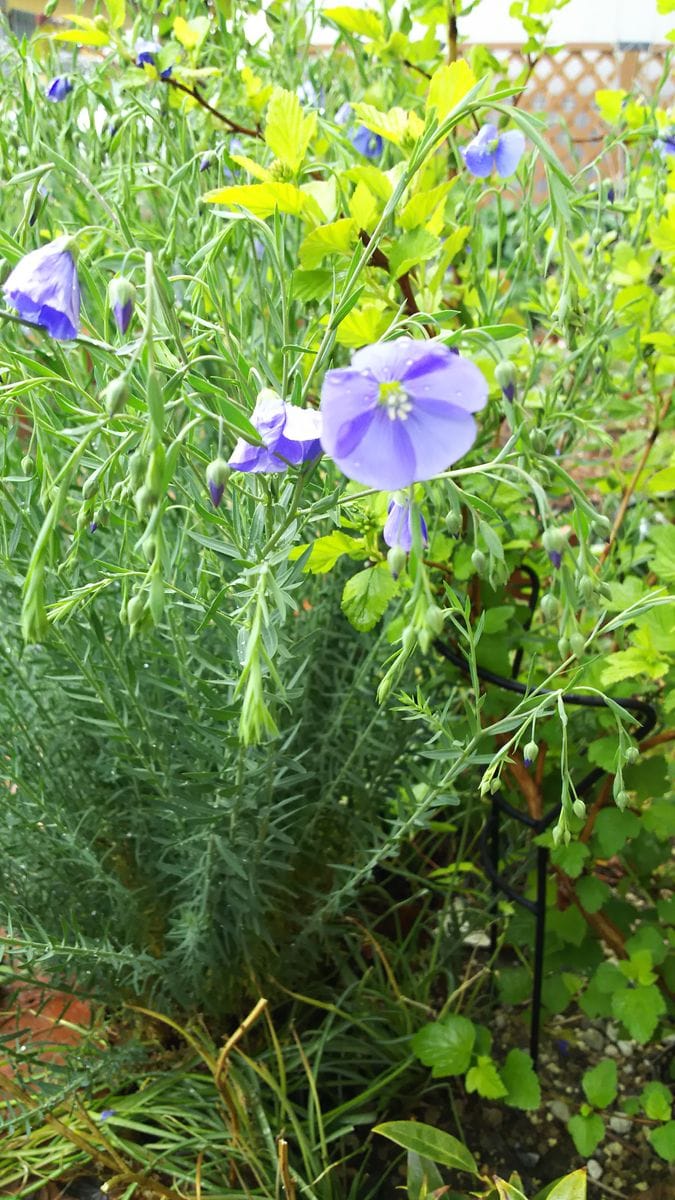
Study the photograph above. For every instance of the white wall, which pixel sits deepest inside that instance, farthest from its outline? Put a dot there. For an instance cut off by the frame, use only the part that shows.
(580, 21)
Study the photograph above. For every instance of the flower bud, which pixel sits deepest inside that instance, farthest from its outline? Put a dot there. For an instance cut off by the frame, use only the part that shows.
(530, 753)
(632, 754)
(538, 440)
(563, 647)
(435, 619)
(550, 606)
(145, 500)
(83, 518)
(136, 610)
(554, 542)
(154, 477)
(495, 785)
(586, 588)
(579, 809)
(578, 644)
(156, 603)
(205, 162)
(505, 374)
(621, 799)
(90, 486)
(115, 395)
(396, 559)
(27, 465)
(408, 639)
(479, 561)
(137, 468)
(424, 639)
(149, 547)
(121, 298)
(453, 521)
(217, 474)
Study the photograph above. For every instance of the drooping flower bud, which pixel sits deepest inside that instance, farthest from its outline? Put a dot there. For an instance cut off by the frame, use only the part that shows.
(563, 647)
(632, 754)
(453, 521)
(121, 298)
(115, 395)
(550, 606)
(586, 588)
(579, 809)
(205, 162)
(578, 644)
(435, 619)
(396, 560)
(554, 542)
(530, 753)
(505, 374)
(145, 500)
(217, 475)
(479, 562)
(137, 469)
(136, 610)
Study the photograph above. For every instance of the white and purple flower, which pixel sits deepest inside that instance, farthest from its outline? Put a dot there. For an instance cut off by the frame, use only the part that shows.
(491, 149)
(59, 88)
(44, 289)
(290, 435)
(398, 529)
(401, 413)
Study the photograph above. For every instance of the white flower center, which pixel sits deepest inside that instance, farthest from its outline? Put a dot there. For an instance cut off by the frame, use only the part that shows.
(395, 400)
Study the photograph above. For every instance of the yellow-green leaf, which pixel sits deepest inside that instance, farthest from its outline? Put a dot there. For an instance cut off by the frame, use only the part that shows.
(610, 102)
(410, 249)
(324, 191)
(252, 167)
(83, 37)
(192, 33)
(377, 181)
(363, 325)
(337, 238)
(662, 481)
(421, 206)
(327, 550)
(391, 125)
(288, 130)
(356, 20)
(450, 83)
(261, 199)
(363, 206)
(116, 12)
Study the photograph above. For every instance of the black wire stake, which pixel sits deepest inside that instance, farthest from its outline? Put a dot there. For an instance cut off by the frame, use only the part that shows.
(489, 840)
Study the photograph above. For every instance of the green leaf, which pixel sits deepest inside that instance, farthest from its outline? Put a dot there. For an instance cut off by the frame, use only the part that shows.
(431, 1143)
(446, 1045)
(656, 1101)
(410, 249)
(116, 12)
(340, 237)
(520, 1080)
(592, 893)
(327, 550)
(586, 1132)
(423, 1177)
(640, 1009)
(366, 596)
(663, 538)
(449, 85)
(484, 1079)
(262, 199)
(361, 21)
(288, 131)
(391, 125)
(663, 1141)
(570, 1187)
(603, 753)
(570, 859)
(600, 1083)
(83, 37)
(613, 828)
(311, 285)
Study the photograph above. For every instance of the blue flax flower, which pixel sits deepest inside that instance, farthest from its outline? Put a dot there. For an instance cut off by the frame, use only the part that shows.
(367, 143)
(666, 143)
(398, 530)
(291, 436)
(146, 52)
(490, 149)
(44, 288)
(59, 88)
(401, 412)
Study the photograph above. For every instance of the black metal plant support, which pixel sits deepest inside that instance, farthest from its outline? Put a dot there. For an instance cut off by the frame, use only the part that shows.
(490, 847)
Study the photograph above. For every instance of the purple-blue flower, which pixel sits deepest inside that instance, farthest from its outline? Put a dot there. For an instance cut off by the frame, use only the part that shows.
(59, 88)
(490, 149)
(398, 530)
(344, 114)
(146, 52)
(666, 143)
(44, 288)
(367, 143)
(121, 297)
(401, 412)
(106, 1113)
(205, 162)
(290, 435)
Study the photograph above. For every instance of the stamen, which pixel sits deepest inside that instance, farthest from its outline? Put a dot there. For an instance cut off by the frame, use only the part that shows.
(395, 400)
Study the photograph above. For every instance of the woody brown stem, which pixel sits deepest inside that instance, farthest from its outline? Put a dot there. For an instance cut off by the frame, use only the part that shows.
(378, 259)
(626, 498)
(195, 95)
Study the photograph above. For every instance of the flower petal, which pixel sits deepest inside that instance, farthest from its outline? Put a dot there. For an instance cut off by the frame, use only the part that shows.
(383, 458)
(447, 380)
(389, 361)
(439, 440)
(509, 152)
(479, 155)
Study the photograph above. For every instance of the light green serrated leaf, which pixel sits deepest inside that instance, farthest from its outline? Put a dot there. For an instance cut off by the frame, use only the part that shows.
(410, 249)
(586, 1132)
(640, 1009)
(83, 37)
(339, 237)
(391, 125)
(655, 1098)
(445, 1046)
(361, 21)
(262, 199)
(450, 83)
(327, 550)
(520, 1080)
(600, 1083)
(663, 1141)
(288, 131)
(366, 596)
(484, 1079)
